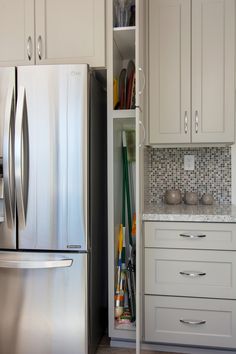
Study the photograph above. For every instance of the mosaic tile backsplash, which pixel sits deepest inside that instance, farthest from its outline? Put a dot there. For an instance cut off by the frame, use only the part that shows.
(164, 169)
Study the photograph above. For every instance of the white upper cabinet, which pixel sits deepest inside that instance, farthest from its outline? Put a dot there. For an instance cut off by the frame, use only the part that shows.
(52, 32)
(16, 32)
(169, 71)
(70, 31)
(191, 71)
(213, 56)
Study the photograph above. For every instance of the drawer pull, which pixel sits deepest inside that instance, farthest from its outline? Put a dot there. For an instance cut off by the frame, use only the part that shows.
(192, 322)
(192, 274)
(192, 236)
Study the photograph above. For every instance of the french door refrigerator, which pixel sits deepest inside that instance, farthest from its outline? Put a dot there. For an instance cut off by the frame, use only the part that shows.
(53, 210)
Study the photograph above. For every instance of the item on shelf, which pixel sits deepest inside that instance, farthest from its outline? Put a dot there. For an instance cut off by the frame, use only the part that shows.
(122, 12)
(173, 196)
(122, 89)
(132, 104)
(207, 199)
(191, 198)
(130, 84)
(115, 93)
(126, 92)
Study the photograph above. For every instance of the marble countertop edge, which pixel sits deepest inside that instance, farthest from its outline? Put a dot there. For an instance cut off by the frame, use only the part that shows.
(198, 213)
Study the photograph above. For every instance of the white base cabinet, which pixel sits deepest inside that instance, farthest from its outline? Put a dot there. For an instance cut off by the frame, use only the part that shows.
(190, 284)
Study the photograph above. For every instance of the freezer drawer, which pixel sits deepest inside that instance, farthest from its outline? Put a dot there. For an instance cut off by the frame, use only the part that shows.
(43, 303)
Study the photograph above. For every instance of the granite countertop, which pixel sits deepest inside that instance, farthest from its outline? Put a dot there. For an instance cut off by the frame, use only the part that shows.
(190, 213)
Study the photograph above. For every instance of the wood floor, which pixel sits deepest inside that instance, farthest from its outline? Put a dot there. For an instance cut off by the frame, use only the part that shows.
(105, 348)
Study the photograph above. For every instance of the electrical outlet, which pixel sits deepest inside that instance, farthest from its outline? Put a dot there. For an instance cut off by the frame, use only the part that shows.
(189, 162)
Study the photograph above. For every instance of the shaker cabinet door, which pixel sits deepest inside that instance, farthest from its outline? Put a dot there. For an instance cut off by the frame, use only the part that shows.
(169, 71)
(16, 32)
(70, 31)
(213, 55)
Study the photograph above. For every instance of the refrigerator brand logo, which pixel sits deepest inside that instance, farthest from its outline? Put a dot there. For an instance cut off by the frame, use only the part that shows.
(75, 73)
(73, 246)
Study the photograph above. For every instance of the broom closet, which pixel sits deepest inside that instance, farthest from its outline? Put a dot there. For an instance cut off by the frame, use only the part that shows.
(126, 137)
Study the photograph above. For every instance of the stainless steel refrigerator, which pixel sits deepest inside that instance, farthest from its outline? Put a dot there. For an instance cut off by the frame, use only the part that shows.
(52, 210)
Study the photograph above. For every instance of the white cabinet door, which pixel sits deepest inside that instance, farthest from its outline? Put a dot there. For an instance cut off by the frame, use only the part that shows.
(70, 31)
(213, 54)
(16, 32)
(169, 71)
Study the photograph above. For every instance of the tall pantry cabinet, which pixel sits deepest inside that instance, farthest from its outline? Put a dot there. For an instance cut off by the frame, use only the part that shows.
(52, 32)
(123, 45)
(186, 48)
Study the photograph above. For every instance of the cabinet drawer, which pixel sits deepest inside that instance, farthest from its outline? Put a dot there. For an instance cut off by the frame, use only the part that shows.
(190, 235)
(190, 273)
(212, 322)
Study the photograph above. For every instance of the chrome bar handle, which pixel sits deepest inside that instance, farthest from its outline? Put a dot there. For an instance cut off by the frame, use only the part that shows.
(192, 322)
(196, 122)
(21, 157)
(192, 236)
(8, 158)
(144, 133)
(29, 48)
(144, 81)
(39, 46)
(186, 122)
(38, 264)
(192, 273)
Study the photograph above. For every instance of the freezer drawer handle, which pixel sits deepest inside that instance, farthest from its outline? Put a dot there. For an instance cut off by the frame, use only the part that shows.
(192, 322)
(39, 264)
(192, 236)
(192, 274)
(8, 158)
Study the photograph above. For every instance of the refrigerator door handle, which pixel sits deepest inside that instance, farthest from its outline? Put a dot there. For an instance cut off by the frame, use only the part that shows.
(38, 264)
(8, 158)
(21, 157)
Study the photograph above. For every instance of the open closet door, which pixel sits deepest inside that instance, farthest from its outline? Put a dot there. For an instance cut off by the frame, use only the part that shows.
(140, 141)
